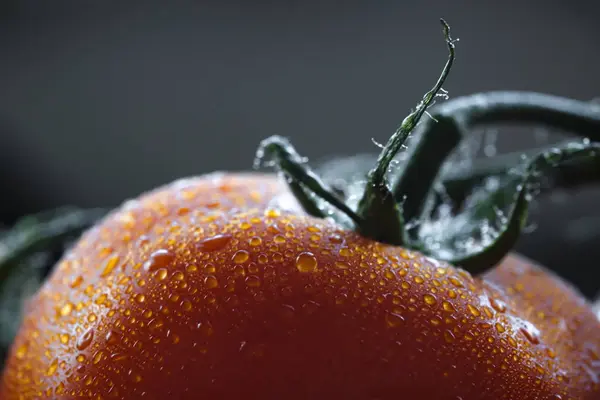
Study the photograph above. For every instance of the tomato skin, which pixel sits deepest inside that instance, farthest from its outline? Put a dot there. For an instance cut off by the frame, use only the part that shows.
(200, 289)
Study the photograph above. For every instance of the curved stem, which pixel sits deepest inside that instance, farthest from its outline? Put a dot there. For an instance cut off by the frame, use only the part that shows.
(459, 183)
(37, 234)
(378, 208)
(301, 178)
(459, 115)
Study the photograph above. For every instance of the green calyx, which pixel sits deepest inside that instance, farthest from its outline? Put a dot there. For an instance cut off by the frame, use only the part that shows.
(468, 218)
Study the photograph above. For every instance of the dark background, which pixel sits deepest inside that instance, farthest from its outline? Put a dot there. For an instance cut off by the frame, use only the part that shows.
(102, 100)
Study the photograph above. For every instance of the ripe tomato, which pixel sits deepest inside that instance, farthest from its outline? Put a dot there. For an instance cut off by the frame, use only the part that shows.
(201, 289)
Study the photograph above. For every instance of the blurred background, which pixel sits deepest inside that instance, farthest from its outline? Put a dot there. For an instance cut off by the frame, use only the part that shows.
(100, 101)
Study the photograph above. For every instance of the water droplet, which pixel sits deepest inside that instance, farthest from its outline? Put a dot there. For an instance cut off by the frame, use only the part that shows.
(214, 243)
(178, 276)
(161, 274)
(341, 265)
(272, 213)
(500, 328)
(98, 356)
(78, 280)
(418, 279)
(255, 241)
(155, 324)
(92, 317)
(159, 259)
(498, 305)
(448, 307)
(241, 256)
(140, 298)
(473, 310)
(64, 338)
(110, 265)
(113, 337)
(253, 281)
(531, 335)
(211, 282)
(80, 358)
(345, 252)
(429, 299)
(116, 357)
(85, 339)
(456, 282)
(550, 353)
(393, 319)
(52, 368)
(191, 268)
(306, 262)
(449, 336)
(101, 299)
(279, 239)
(66, 309)
(186, 305)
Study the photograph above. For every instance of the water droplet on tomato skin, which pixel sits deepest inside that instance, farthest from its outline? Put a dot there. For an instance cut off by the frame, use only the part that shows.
(241, 256)
(85, 339)
(214, 243)
(159, 259)
(306, 262)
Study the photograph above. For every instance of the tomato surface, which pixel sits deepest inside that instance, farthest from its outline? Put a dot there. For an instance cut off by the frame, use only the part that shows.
(204, 288)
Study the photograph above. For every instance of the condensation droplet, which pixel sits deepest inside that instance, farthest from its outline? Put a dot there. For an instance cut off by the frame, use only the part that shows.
(64, 338)
(52, 368)
(98, 356)
(85, 339)
(211, 282)
(448, 307)
(140, 298)
(393, 319)
(214, 243)
(500, 328)
(449, 336)
(473, 310)
(498, 305)
(306, 262)
(253, 281)
(419, 279)
(110, 265)
(159, 259)
(161, 274)
(241, 256)
(429, 299)
(255, 241)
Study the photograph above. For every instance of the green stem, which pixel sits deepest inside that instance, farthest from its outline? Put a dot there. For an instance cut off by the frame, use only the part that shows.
(301, 178)
(459, 183)
(382, 218)
(40, 233)
(456, 117)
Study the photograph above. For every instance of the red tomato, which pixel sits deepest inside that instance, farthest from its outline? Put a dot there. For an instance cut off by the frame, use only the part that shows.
(200, 289)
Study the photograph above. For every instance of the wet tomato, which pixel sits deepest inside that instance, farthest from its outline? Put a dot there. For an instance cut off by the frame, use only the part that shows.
(204, 288)
(229, 286)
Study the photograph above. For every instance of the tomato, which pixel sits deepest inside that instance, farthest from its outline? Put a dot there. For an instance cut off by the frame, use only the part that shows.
(203, 289)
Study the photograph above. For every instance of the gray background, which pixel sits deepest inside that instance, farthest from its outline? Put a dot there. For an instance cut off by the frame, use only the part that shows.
(102, 100)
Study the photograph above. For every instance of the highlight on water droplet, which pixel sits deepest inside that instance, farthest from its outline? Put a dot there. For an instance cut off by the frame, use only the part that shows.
(211, 282)
(110, 265)
(253, 281)
(447, 306)
(429, 299)
(449, 336)
(85, 339)
(473, 310)
(393, 319)
(306, 262)
(214, 243)
(159, 259)
(241, 256)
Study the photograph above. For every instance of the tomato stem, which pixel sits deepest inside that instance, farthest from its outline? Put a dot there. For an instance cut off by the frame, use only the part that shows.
(382, 218)
(436, 138)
